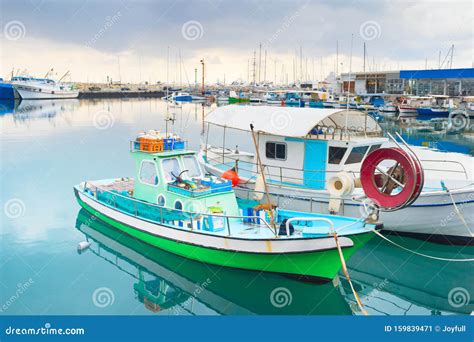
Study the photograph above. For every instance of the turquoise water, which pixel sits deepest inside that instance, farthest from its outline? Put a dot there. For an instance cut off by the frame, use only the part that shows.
(49, 146)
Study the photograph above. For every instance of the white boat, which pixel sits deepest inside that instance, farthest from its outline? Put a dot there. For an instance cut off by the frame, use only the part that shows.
(302, 158)
(388, 108)
(43, 88)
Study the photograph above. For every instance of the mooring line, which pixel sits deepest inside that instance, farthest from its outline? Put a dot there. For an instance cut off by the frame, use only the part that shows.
(346, 273)
(421, 254)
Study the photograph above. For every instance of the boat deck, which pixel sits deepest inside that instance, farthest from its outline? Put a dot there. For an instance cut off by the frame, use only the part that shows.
(253, 224)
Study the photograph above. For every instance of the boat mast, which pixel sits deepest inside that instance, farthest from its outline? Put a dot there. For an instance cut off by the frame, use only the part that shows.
(349, 86)
(260, 64)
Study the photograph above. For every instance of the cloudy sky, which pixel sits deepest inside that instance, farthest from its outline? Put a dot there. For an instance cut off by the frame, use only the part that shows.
(132, 40)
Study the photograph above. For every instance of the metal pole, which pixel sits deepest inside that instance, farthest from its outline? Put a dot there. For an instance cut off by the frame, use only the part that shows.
(202, 62)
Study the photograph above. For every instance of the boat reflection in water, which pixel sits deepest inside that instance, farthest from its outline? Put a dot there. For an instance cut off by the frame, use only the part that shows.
(391, 281)
(173, 285)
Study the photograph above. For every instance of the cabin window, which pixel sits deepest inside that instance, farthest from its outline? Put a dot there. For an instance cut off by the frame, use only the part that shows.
(275, 150)
(357, 154)
(178, 205)
(373, 148)
(171, 169)
(336, 154)
(192, 165)
(148, 174)
(161, 201)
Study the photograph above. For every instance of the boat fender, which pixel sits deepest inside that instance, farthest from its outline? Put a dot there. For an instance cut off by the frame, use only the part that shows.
(341, 184)
(232, 176)
(83, 245)
(282, 230)
(259, 188)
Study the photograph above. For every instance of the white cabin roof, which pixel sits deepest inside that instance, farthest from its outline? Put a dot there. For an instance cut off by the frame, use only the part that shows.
(290, 121)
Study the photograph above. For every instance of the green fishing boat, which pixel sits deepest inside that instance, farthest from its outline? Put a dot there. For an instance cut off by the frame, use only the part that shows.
(173, 205)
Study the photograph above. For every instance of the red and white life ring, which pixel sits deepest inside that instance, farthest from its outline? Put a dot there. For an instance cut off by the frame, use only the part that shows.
(379, 185)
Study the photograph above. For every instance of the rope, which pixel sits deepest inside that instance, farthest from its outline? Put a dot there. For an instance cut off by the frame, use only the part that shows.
(346, 273)
(456, 209)
(421, 254)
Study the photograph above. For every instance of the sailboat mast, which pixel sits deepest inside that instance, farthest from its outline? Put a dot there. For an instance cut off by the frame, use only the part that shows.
(260, 64)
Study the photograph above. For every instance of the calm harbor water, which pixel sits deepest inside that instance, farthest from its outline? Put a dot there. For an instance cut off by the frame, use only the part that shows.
(49, 146)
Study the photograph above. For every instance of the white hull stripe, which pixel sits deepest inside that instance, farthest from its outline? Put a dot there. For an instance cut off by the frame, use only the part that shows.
(261, 246)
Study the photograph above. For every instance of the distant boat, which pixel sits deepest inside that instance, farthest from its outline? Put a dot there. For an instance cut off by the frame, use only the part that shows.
(407, 110)
(234, 98)
(388, 108)
(7, 91)
(43, 88)
(181, 97)
(433, 111)
(198, 98)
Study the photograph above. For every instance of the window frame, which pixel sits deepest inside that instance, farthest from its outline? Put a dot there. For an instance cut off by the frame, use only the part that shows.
(156, 173)
(363, 155)
(343, 155)
(276, 143)
(158, 200)
(193, 157)
(178, 201)
(164, 171)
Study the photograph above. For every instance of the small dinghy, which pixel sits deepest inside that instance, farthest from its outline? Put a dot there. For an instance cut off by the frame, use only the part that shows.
(173, 205)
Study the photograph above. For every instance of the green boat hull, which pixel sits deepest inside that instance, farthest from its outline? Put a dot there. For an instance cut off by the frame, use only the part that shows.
(238, 100)
(317, 265)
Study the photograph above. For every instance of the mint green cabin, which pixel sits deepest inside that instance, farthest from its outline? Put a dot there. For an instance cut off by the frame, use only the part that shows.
(155, 182)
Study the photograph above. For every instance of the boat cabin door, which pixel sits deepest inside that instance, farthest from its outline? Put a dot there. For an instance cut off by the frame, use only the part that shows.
(315, 160)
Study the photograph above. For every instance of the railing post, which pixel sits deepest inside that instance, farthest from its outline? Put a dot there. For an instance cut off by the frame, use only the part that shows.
(228, 225)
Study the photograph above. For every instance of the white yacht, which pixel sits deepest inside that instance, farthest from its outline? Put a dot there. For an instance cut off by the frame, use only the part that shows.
(31, 88)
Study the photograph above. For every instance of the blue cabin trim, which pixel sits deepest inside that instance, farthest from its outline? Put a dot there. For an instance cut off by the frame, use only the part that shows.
(315, 159)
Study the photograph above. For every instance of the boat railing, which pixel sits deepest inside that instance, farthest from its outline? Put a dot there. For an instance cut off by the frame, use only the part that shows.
(283, 174)
(167, 215)
(320, 219)
(455, 162)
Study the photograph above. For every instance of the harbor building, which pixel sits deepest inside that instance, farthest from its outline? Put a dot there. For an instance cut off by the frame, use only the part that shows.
(451, 82)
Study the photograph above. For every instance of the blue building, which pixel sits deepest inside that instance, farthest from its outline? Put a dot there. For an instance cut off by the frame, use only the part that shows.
(452, 82)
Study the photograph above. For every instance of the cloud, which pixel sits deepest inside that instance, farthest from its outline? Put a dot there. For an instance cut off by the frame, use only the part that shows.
(409, 32)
